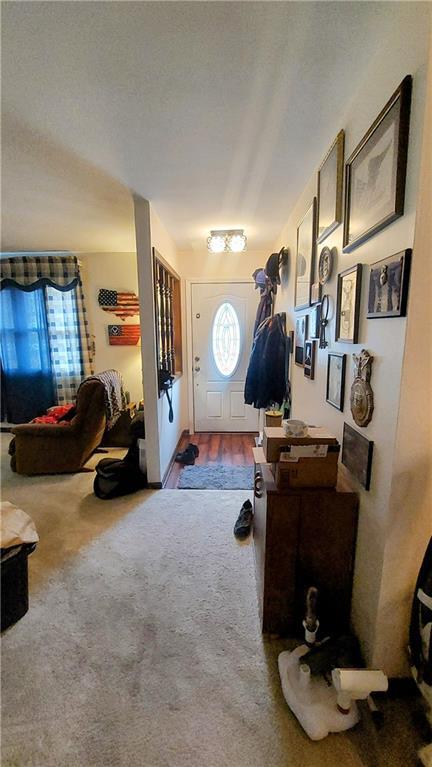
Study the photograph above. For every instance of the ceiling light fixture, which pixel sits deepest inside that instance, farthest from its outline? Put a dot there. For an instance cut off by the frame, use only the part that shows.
(227, 241)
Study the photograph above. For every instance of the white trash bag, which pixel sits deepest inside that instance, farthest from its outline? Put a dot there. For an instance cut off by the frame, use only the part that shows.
(16, 527)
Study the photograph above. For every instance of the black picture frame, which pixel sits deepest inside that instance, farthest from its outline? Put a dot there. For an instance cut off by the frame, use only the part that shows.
(335, 387)
(357, 452)
(348, 305)
(329, 189)
(301, 332)
(375, 172)
(388, 286)
(305, 260)
(309, 359)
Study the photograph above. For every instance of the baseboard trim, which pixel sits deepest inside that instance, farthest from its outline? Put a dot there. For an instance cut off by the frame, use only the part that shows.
(155, 485)
(167, 472)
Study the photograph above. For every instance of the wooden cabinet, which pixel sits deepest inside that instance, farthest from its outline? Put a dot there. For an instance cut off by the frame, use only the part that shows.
(302, 538)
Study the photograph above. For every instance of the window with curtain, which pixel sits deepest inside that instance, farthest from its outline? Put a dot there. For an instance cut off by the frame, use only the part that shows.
(64, 341)
(25, 355)
(45, 342)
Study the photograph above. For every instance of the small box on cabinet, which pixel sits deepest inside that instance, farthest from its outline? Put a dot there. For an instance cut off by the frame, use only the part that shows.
(304, 471)
(274, 438)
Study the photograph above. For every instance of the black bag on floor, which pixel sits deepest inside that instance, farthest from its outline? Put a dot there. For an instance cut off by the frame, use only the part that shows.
(14, 583)
(115, 477)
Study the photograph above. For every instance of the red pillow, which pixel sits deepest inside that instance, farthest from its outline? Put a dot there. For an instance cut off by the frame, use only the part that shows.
(55, 415)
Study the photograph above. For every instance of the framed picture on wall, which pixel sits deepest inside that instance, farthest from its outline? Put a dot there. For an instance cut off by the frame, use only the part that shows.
(335, 392)
(315, 293)
(388, 286)
(375, 173)
(348, 305)
(309, 359)
(329, 189)
(301, 330)
(357, 455)
(305, 258)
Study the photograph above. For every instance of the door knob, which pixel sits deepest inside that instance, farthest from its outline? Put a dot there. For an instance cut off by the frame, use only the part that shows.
(197, 369)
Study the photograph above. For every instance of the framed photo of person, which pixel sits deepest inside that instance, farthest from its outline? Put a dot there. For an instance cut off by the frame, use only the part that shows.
(329, 191)
(388, 286)
(305, 258)
(335, 392)
(309, 359)
(348, 305)
(301, 331)
(375, 172)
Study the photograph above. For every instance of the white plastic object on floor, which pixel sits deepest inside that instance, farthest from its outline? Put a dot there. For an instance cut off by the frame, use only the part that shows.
(310, 636)
(357, 684)
(142, 455)
(313, 702)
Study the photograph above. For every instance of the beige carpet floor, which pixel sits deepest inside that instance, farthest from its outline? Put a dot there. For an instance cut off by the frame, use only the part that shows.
(142, 647)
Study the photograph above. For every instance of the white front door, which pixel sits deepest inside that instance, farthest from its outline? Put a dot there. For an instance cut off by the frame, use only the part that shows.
(223, 316)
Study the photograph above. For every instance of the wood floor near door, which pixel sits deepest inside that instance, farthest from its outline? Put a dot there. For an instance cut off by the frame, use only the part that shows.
(225, 448)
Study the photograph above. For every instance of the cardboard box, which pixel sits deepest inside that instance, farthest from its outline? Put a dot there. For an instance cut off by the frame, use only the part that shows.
(274, 438)
(309, 472)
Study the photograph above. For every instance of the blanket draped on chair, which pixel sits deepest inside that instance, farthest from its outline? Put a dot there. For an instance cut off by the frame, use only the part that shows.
(115, 398)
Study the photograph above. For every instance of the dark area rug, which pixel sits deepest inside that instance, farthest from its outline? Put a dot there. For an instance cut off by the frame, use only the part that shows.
(216, 477)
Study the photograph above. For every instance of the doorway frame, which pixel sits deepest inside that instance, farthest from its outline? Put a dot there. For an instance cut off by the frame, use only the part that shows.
(188, 311)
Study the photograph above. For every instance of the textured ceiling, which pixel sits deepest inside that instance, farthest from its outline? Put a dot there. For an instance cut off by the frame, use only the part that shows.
(216, 112)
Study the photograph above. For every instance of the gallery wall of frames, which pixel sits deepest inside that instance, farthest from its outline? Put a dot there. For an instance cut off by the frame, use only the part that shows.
(347, 298)
(362, 193)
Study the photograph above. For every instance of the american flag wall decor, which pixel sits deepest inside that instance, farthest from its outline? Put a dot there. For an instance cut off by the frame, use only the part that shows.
(121, 304)
(124, 335)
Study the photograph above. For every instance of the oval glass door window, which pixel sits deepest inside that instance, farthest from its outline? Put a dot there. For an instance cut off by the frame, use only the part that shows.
(226, 339)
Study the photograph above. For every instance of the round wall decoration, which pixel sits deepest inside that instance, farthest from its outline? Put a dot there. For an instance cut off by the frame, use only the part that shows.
(361, 399)
(325, 265)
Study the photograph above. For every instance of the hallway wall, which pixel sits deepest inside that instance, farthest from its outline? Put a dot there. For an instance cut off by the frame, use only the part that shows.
(403, 52)
(161, 435)
(409, 524)
(115, 271)
(170, 433)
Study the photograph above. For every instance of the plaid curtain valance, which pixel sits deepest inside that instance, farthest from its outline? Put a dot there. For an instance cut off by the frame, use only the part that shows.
(32, 272)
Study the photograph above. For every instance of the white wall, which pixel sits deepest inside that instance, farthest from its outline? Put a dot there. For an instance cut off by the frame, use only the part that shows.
(403, 52)
(115, 271)
(170, 433)
(409, 522)
(161, 436)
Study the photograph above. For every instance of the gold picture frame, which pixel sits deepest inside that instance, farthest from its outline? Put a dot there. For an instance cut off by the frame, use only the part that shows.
(330, 188)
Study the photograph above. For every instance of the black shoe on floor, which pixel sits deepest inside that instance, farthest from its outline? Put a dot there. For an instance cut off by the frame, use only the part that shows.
(187, 456)
(243, 526)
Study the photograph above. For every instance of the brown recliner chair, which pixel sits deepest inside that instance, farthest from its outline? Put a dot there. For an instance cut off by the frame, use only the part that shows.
(53, 449)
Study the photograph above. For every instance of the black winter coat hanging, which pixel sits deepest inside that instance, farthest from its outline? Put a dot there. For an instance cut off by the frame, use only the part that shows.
(266, 376)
